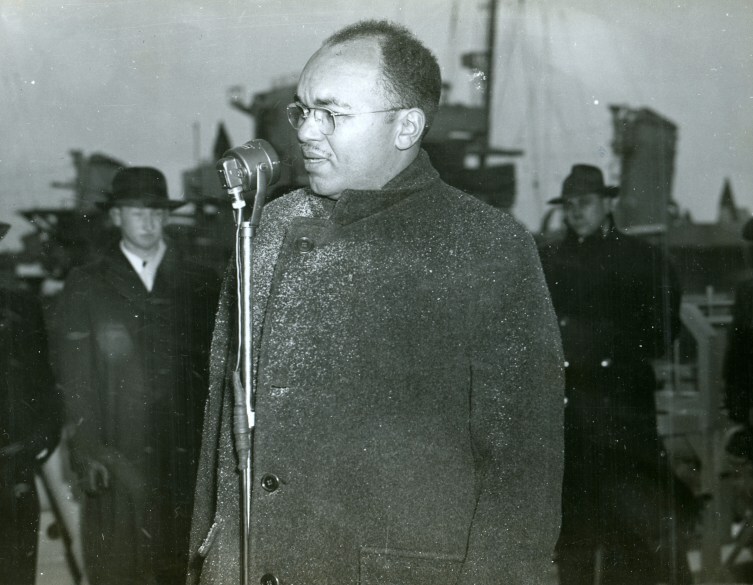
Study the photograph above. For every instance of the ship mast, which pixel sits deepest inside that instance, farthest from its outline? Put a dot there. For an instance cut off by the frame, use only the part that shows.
(484, 61)
(491, 37)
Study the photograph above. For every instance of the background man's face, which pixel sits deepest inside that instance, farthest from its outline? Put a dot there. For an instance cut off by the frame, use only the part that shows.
(586, 213)
(361, 153)
(141, 227)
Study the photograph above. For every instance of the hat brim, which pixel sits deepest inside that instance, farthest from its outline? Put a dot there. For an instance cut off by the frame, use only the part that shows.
(4, 227)
(609, 192)
(168, 204)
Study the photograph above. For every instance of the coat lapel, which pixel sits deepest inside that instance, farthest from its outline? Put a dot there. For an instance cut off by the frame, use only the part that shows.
(267, 249)
(119, 274)
(169, 276)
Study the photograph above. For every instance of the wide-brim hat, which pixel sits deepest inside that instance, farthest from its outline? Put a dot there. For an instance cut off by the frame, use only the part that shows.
(582, 180)
(140, 187)
(4, 227)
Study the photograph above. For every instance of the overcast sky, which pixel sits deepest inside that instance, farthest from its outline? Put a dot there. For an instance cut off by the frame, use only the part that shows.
(132, 78)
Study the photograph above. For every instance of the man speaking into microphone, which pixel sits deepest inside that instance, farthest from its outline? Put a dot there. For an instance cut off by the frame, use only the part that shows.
(409, 390)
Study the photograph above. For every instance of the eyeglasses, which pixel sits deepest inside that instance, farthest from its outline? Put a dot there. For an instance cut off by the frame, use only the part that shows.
(298, 113)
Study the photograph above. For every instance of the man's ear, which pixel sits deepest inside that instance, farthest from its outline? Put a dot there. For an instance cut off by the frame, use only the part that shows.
(411, 127)
(115, 216)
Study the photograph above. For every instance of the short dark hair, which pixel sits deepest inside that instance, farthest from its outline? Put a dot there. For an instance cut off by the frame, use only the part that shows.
(411, 73)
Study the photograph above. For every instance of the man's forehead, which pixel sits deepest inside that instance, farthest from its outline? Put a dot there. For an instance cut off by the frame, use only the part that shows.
(324, 101)
(341, 83)
(363, 49)
(359, 58)
(583, 198)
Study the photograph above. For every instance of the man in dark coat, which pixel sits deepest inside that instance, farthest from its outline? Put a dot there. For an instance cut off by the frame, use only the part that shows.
(738, 363)
(409, 387)
(617, 300)
(30, 422)
(134, 342)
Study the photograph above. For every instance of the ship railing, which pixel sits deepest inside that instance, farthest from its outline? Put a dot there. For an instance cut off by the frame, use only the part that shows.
(695, 428)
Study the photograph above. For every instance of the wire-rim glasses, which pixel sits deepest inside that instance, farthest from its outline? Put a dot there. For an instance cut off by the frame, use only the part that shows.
(326, 118)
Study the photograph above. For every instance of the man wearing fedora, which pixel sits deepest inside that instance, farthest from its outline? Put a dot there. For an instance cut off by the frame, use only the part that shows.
(30, 422)
(134, 339)
(617, 302)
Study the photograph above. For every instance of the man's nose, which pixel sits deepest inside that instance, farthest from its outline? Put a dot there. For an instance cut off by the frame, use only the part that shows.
(310, 130)
(151, 221)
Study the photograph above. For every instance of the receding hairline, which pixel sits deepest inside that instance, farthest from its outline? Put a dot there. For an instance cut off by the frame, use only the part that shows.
(399, 52)
(378, 65)
(375, 41)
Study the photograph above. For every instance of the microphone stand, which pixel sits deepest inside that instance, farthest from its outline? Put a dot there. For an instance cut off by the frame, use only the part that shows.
(243, 383)
(236, 170)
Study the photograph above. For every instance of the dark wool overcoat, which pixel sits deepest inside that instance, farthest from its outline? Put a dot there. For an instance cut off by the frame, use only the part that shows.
(738, 362)
(30, 423)
(408, 402)
(31, 413)
(134, 369)
(617, 300)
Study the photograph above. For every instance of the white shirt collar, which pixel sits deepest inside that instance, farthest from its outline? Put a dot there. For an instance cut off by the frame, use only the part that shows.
(146, 269)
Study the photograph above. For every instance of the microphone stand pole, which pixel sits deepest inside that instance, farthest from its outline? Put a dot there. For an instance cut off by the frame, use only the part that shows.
(236, 170)
(243, 413)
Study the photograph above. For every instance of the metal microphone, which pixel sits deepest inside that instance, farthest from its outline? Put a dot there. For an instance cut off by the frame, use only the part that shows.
(252, 166)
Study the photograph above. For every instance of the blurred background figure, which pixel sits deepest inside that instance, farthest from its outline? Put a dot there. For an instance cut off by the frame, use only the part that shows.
(738, 363)
(133, 341)
(617, 301)
(738, 387)
(30, 423)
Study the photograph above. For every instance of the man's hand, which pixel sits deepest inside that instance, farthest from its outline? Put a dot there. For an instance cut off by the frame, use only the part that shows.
(97, 478)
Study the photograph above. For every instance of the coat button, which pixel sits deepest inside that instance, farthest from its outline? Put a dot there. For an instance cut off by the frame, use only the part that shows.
(270, 482)
(269, 579)
(304, 244)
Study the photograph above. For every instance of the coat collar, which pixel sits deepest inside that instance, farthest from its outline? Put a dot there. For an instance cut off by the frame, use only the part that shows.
(121, 275)
(611, 233)
(354, 205)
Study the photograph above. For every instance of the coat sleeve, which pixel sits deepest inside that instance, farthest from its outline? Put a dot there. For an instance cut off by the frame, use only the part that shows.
(33, 399)
(652, 292)
(215, 437)
(45, 396)
(77, 369)
(517, 408)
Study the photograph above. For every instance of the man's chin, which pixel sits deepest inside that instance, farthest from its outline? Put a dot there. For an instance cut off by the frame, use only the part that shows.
(321, 188)
(145, 245)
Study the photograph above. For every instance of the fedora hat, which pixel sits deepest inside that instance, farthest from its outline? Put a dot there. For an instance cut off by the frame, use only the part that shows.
(140, 187)
(582, 180)
(4, 227)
